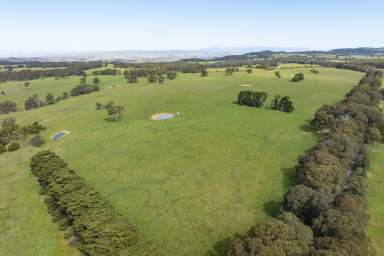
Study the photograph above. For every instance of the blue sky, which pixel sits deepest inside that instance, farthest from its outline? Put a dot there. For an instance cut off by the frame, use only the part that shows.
(57, 26)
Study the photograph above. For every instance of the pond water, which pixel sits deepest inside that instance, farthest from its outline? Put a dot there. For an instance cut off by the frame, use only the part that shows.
(59, 135)
(162, 116)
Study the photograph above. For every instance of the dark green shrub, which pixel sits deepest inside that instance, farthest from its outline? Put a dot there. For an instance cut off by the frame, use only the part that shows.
(297, 77)
(37, 141)
(13, 146)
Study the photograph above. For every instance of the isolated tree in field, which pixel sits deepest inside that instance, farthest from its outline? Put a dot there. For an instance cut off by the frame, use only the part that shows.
(278, 74)
(152, 78)
(2, 92)
(171, 75)
(298, 77)
(115, 112)
(49, 99)
(249, 70)
(26, 84)
(96, 80)
(33, 102)
(204, 72)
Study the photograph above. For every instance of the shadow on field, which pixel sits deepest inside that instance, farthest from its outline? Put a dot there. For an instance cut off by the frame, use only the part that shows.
(220, 248)
(306, 127)
(272, 208)
(289, 176)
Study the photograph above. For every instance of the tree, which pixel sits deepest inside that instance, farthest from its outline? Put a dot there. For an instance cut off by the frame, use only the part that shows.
(297, 77)
(229, 71)
(65, 95)
(50, 99)
(132, 77)
(13, 146)
(249, 70)
(161, 79)
(96, 80)
(274, 238)
(115, 112)
(152, 78)
(171, 75)
(204, 72)
(314, 71)
(26, 84)
(278, 74)
(99, 106)
(33, 102)
(37, 141)
(282, 103)
(252, 99)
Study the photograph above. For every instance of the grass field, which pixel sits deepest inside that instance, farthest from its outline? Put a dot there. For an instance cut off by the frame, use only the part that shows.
(187, 184)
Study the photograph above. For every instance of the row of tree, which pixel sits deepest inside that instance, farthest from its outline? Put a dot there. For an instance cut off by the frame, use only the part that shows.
(325, 213)
(84, 215)
(35, 102)
(30, 74)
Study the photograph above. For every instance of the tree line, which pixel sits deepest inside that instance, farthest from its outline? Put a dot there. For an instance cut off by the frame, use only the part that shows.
(30, 74)
(325, 212)
(84, 215)
(35, 102)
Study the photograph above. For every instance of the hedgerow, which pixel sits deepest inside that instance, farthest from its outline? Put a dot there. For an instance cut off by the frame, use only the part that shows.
(327, 206)
(85, 216)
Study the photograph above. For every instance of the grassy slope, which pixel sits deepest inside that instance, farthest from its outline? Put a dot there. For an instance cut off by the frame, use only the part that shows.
(375, 198)
(185, 183)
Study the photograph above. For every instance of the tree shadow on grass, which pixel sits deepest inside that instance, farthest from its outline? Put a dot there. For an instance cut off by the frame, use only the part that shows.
(272, 208)
(289, 177)
(220, 248)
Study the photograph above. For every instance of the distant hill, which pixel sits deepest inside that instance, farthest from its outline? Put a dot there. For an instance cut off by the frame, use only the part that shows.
(217, 54)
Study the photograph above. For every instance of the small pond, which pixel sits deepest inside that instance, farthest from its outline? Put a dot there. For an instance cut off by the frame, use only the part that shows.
(162, 116)
(59, 135)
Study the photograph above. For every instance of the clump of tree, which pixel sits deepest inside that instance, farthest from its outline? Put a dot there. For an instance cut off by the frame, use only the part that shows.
(298, 77)
(10, 132)
(230, 71)
(114, 111)
(7, 107)
(328, 199)
(33, 102)
(84, 88)
(80, 211)
(251, 98)
(282, 103)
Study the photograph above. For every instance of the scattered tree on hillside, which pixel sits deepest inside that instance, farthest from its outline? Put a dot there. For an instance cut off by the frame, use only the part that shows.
(26, 84)
(13, 146)
(114, 112)
(36, 141)
(314, 71)
(249, 70)
(152, 78)
(33, 102)
(282, 103)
